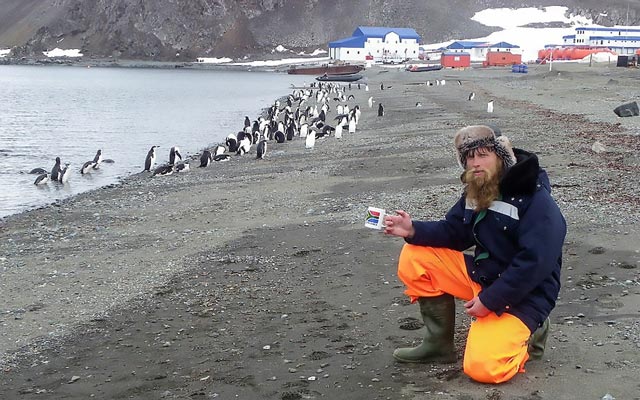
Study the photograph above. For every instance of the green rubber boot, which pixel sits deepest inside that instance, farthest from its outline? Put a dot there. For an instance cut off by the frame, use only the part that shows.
(538, 340)
(438, 314)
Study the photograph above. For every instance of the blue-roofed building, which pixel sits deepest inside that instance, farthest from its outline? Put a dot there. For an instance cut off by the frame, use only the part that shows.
(622, 39)
(377, 44)
(478, 50)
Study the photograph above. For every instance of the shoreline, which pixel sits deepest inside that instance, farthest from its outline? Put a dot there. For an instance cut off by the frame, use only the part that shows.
(251, 277)
(22, 181)
(125, 63)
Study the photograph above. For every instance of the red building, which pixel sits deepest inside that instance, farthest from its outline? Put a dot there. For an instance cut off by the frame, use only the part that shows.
(501, 58)
(455, 60)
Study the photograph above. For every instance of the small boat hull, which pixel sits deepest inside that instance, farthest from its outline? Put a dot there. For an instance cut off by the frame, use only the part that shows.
(424, 68)
(326, 69)
(339, 78)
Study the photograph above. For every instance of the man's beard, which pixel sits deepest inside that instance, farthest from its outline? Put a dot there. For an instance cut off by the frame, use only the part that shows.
(482, 190)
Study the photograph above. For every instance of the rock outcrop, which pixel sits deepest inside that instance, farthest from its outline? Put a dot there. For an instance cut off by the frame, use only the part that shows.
(184, 30)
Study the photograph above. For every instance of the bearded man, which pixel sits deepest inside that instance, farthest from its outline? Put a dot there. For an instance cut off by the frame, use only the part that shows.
(511, 282)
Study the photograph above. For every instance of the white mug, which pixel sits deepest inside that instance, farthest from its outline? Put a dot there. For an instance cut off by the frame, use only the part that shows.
(374, 218)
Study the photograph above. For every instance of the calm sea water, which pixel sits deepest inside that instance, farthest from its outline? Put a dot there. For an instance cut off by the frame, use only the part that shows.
(71, 112)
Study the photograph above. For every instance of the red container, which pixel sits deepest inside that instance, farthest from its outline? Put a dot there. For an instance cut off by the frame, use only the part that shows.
(502, 58)
(455, 60)
(543, 54)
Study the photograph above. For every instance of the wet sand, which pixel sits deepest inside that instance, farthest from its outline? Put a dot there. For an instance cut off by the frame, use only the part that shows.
(256, 279)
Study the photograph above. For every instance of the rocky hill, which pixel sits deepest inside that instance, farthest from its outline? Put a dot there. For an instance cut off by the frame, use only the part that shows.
(183, 30)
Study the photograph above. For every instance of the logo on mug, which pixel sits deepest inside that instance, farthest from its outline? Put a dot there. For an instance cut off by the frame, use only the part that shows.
(375, 218)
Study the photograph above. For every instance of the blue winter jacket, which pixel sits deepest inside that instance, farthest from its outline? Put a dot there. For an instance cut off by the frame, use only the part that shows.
(518, 243)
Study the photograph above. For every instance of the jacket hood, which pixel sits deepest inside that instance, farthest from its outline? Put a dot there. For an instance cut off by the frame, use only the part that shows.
(525, 176)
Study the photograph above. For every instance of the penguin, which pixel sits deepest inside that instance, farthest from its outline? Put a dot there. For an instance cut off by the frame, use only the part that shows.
(55, 171)
(418, 104)
(380, 110)
(232, 143)
(459, 82)
(244, 146)
(352, 125)
(86, 167)
(261, 149)
(163, 170)
(351, 97)
(182, 167)
(304, 130)
(472, 96)
(241, 135)
(97, 159)
(174, 155)
(366, 88)
(247, 121)
(38, 171)
(370, 102)
(326, 131)
(382, 86)
(205, 159)
(310, 140)
(219, 150)
(221, 157)
(42, 179)
(279, 136)
(490, 106)
(151, 159)
(290, 132)
(63, 176)
(338, 132)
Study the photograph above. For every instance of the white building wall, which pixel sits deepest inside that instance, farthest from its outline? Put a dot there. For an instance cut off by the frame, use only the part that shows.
(583, 38)
(389, 48)
(477, 54)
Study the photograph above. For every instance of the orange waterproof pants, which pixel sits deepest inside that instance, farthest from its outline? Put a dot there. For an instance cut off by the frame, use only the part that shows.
(496, 345)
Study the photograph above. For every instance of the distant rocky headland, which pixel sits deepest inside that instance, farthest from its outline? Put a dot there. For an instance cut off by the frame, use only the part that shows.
(178, 32)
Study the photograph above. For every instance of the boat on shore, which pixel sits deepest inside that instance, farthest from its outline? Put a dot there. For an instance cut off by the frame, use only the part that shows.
(424, 68)
(326, 69)
(339, 77)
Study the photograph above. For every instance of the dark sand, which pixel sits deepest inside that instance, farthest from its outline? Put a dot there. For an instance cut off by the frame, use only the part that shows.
(257, 279)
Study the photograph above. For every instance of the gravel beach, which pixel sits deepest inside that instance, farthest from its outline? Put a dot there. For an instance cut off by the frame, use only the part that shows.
(256, 279)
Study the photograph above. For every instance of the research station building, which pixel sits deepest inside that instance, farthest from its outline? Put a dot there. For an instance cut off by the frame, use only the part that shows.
(377, 44)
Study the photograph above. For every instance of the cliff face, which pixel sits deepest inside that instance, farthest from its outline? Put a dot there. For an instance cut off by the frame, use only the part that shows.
(184, 30)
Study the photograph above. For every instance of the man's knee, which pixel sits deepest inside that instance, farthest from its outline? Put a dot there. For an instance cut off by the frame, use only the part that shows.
(485, 369)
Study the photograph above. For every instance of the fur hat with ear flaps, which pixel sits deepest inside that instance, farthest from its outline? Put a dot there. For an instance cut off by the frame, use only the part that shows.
(476, 136)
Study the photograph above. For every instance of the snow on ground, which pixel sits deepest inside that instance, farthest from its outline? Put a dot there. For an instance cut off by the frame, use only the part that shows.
(63, 53)
(272, 63)
(315, 52)
(4, 52)
(512, 22)
(530, 40)
(213, 60)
